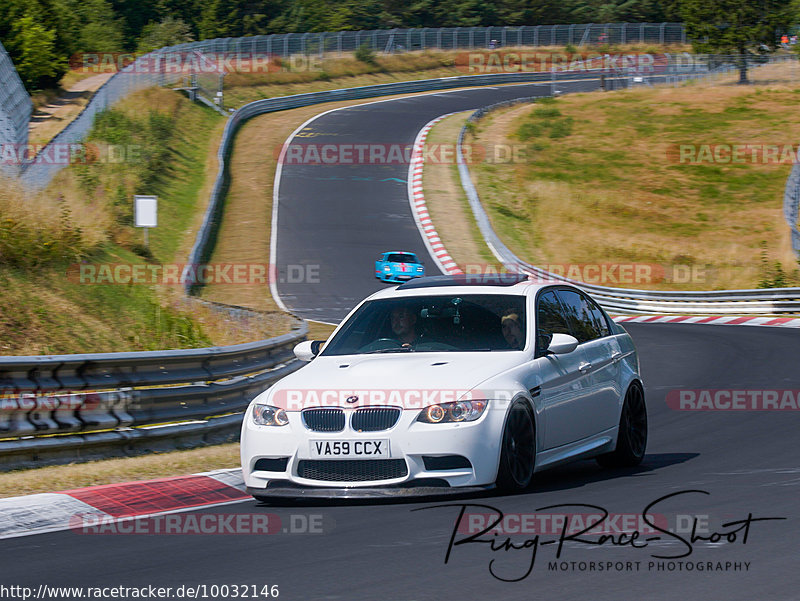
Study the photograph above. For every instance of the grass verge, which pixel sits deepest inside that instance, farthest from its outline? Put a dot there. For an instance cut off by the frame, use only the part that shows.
(110, 471)
(303, 74)
(603, 183)
(85, 215)
(447, 202)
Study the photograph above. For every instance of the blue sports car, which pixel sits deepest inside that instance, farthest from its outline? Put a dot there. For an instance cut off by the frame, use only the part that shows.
(398, 266)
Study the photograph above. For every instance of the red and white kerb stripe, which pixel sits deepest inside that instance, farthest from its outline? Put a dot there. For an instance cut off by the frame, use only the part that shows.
(420, 210)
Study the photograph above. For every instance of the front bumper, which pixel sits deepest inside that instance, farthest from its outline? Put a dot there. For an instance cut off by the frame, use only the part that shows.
(413, 442)
(284, 489)
(400, 277)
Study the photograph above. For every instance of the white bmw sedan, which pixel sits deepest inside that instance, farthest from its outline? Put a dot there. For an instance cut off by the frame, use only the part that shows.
(449, 382)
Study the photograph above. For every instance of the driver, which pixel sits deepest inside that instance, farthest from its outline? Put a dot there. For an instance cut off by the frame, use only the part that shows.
(512, 329)
(404, 325)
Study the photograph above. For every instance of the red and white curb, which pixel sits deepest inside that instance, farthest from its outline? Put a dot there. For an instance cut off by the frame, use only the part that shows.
(715, 320)
(420, 210)
(51, 512)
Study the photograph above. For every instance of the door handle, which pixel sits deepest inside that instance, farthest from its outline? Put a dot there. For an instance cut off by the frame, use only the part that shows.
(584, 367)
(615, 356)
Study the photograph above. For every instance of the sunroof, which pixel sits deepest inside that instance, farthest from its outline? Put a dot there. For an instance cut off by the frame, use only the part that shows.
(465, 279)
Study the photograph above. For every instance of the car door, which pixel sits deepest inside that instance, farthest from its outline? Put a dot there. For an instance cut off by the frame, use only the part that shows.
(599, 410)
(562, 388)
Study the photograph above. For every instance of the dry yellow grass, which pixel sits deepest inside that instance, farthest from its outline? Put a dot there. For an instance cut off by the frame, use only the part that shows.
(333, 72)
(613, 191)
(110, 471)
(43, 211)
(44, 312)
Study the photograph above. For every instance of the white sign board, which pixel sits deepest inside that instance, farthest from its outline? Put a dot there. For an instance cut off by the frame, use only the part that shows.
(145, 211)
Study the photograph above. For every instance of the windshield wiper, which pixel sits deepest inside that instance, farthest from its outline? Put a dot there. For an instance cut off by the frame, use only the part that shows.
(399, 349)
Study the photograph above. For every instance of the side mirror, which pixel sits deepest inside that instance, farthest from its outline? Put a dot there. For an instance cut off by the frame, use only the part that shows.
(561, 344)
(307, 350)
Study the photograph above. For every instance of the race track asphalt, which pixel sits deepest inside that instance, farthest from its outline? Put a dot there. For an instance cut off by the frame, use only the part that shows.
(334, 220)
(338, 218)
(747, 462)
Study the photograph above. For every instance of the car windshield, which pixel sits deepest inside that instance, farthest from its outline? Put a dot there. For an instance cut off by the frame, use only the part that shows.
(401, 258)
(469, 322)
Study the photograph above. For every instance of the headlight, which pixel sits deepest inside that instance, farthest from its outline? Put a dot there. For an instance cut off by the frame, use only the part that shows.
(267, 415)
(387, 268)
(462, 411)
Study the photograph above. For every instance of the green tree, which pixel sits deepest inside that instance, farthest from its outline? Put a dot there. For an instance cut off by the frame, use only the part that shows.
(220, 19)
(741, 27)
(135, 15)
(101, 29)
(37, 62)
(166, 33)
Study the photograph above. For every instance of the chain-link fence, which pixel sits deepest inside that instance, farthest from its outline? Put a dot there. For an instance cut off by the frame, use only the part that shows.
(15, 110)
(184, 65)
(446, 38)
(200, 67)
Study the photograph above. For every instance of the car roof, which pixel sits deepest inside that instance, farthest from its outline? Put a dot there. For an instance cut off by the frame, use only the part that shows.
(399, 252)
(510, 284)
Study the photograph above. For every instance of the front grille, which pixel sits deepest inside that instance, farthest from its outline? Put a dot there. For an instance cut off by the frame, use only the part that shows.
(324, 420)
(372, 419)
(358, 470)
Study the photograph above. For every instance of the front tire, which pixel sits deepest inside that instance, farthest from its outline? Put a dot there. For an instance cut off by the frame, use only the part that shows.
(632, 436)
(518, 450)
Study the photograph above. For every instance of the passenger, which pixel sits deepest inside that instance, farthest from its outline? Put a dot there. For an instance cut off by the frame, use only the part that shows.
(513, 331)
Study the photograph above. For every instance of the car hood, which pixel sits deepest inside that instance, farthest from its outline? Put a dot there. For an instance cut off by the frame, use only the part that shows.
(411, 380)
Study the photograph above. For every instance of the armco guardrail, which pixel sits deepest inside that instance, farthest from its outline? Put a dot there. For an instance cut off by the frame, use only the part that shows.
(115, 402)
(623, 300)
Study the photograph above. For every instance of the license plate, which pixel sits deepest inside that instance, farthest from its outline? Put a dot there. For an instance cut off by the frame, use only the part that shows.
(350, 449)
